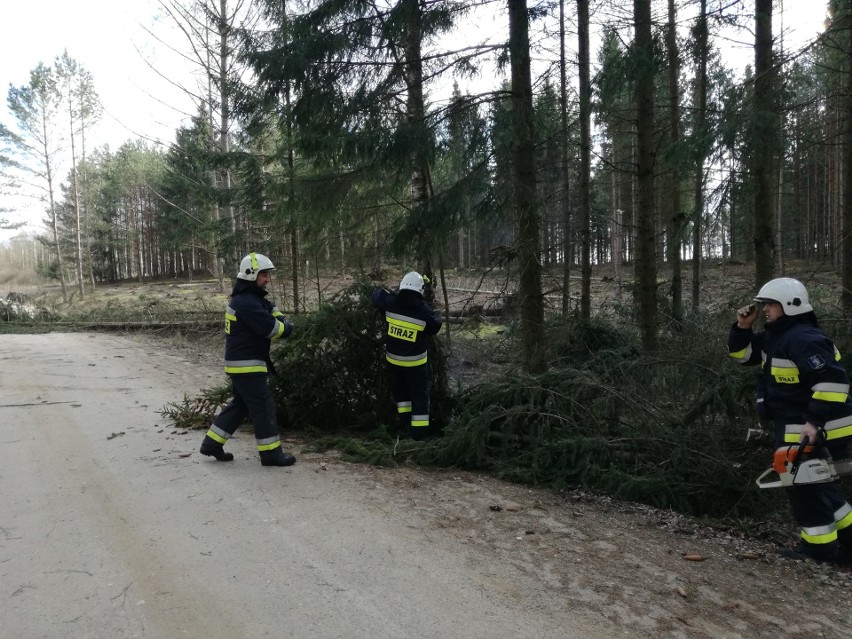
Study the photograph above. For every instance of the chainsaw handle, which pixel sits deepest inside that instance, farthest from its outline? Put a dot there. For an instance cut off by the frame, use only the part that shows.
(762, 483)
(798, 455)
(819, 440)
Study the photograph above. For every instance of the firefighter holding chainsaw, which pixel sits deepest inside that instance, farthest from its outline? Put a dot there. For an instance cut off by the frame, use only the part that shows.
(804, 392)
(409, 324)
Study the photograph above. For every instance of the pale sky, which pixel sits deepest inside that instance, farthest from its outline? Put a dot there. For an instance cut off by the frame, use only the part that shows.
(109, 39)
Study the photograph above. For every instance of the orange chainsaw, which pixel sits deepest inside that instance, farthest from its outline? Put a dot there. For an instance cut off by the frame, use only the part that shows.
(794, 466)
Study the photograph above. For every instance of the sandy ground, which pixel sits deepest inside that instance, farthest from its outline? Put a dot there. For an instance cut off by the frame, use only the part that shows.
(112, 526)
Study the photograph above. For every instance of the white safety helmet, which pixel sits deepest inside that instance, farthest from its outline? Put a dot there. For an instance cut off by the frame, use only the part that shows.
(412, 281)
(252, 264)
(789, 293)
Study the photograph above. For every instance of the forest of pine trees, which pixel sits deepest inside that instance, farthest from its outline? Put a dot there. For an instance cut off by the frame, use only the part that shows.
(340, 133)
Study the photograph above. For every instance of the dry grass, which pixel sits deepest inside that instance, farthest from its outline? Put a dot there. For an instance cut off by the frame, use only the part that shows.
(20, 281)
(724, 287)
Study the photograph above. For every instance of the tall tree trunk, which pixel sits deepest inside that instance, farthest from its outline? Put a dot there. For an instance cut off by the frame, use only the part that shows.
(415, 114)
(779, 263)
(214, 254)
(566, 180)
(617, 226)
(53, 214)
(84, 192)
(763, 150)
(585, 158)
(523, 168)
(138, 255)
(675, 214)
(846, 22)
(224, 29)
(294, 265)
(700, 128)
(78, 237)
(295, 256)
(631, 185)
(646, 265)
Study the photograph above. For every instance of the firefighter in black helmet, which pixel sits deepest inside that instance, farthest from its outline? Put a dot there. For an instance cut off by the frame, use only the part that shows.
(251, 323)
(409, 325)
(804, 391)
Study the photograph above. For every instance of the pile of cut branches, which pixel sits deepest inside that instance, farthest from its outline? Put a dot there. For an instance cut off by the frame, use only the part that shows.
(331, 373)
(666, 429)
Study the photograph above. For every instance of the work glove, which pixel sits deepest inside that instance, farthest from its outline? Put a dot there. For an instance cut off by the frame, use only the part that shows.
(288, 328)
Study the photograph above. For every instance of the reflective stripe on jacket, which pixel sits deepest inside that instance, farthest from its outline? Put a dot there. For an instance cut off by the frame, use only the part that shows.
(802, 379)
(251, 323)
(409, 324)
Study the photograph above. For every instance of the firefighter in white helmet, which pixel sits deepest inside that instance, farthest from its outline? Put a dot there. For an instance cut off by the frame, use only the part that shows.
(252, 322)
(409, 324)
(804, 391)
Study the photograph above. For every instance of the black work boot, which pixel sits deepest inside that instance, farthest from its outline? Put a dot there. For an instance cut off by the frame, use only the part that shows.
(212, 448)
(276, 457)
(844, 543)
(804, 551)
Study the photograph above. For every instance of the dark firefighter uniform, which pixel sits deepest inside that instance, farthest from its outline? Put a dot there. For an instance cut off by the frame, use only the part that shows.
(251, 323)
(409, 325)
(802, 381)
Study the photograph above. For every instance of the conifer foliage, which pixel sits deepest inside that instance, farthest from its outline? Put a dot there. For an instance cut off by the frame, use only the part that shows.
(330, 374)
(610, 419)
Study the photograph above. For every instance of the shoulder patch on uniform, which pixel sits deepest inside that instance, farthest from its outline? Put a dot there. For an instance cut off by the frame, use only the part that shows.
(816, 362)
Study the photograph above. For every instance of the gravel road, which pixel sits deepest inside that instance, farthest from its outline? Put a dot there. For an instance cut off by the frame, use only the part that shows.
(112, 525)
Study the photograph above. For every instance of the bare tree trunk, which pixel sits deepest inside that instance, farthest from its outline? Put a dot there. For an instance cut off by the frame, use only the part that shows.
(294, 228)
(224, 29)
(778, 221)
(585, 158)
(415, 114)
(566, 181)
(294, 266)
(646, 265)
(728, 229)
(700, 127)
(631, 235)
(617, 227)
(839, 181)
(846, 18)
(137, 236)
(76, 199)
(53, 214)
(58, 248)
(86, 216)
(763, 151)
(342, 244)
(675, 214)
(215, 257)
(473, 245)
(443, 277)
(532, 302)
